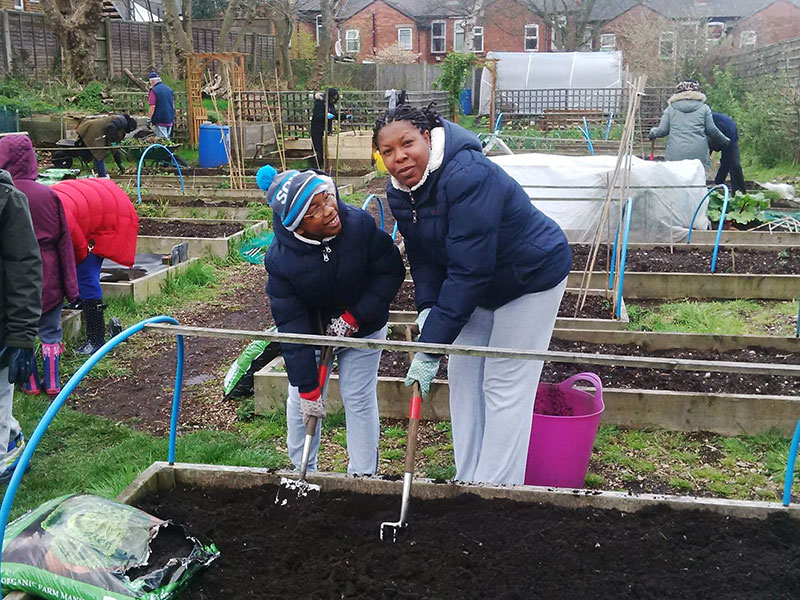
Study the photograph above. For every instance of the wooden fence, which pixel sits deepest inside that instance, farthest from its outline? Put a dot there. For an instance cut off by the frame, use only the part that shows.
(30, 48)
(296, 107)
(780, 59)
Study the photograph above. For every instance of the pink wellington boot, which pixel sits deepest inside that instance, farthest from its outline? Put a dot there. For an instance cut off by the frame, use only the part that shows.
(50, 364)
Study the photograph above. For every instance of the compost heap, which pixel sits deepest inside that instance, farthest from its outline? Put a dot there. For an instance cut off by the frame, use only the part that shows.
(84, 547)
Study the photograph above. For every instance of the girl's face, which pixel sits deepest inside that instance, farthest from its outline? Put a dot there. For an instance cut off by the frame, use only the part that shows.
(322, 219)
(405, 151)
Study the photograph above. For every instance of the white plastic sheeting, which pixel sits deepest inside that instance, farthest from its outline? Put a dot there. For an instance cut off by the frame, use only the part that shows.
(660, 204)
(551, 70)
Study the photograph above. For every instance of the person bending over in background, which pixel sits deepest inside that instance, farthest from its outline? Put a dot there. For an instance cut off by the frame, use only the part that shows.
(100, 133)
(729, 162)
(329, 261)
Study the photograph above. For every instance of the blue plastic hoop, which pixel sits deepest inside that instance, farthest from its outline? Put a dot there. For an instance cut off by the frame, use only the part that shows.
(375, 198)
(627, 213)
(139, 170)
(721, 221)
(69, 387)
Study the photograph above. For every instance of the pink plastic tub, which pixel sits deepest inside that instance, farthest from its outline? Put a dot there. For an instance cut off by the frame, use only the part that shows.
(565, 422)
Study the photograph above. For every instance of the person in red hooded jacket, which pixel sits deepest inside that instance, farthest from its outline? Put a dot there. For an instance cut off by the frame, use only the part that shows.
(103, 224)
(58, 261)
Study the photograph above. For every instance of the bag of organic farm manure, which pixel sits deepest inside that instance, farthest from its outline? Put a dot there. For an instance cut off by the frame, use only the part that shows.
(83, 547)
(239, 378)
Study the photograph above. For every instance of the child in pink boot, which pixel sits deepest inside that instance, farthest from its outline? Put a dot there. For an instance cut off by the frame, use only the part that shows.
(59, 280)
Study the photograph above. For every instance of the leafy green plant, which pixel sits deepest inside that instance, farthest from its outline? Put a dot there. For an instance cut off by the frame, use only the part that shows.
(743, 209)
(455, 68)
(91, 97)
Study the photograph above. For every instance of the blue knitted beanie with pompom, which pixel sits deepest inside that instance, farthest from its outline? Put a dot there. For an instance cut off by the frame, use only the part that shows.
(290, 193)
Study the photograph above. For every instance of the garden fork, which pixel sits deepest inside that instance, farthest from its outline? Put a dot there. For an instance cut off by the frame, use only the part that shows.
(394, 528)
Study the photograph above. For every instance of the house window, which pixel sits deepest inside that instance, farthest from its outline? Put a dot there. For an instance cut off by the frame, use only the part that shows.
(477, 39)
(352, 39)
(458, 37)
(558, 24)
(748, 39)
(404, 38)
(438, 37)
(666, 45)
(531, 37)
(608, 42)
(19, 5)
(714, 32)
(318, 21)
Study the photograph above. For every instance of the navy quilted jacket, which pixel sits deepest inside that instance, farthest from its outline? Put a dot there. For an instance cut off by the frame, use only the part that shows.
(360, 270)
(473, 238)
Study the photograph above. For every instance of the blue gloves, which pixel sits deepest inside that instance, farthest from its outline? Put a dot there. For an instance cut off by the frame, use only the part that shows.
(422, 370)
(330, 116)
(21, 363)
(349, 117)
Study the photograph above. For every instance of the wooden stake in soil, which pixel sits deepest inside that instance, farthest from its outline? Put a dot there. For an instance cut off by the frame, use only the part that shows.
(278, 141)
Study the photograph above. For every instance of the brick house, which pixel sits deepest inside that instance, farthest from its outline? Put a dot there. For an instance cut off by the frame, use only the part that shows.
(432, 28)
(775, 21)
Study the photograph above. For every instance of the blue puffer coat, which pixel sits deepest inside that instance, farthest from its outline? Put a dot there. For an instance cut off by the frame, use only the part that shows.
(473, 238)
(360, 270)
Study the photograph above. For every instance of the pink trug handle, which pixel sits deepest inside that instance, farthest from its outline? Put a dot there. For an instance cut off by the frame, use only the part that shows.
(588, 377)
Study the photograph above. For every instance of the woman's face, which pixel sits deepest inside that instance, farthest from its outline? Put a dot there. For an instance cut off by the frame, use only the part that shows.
(322, 219)
(405, 151)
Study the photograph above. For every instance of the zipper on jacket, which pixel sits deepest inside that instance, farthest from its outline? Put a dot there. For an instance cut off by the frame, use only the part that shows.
(326, 250)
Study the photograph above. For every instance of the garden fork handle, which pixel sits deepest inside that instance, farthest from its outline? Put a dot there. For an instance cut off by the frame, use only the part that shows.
(413, 415)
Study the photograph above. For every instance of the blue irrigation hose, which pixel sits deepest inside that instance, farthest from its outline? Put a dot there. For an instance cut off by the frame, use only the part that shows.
(69, 387)
(587, 134)
(374, 197)
(608, 125)
(498, 122)
(394, 231)
(789, 477)
(139, 170)
(721, 221)
(624, 256)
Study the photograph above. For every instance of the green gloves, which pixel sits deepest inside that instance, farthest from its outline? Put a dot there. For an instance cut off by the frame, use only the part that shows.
(421, 318)
(422, 370)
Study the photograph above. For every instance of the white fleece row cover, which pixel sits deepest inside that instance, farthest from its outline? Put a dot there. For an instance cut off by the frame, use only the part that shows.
(571, 190)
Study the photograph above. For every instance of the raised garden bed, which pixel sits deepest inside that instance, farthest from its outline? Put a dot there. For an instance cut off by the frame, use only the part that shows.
(204, 236)
(686, 259)
(142, 285)
(471, 541)
(595, 314)
(723, 403)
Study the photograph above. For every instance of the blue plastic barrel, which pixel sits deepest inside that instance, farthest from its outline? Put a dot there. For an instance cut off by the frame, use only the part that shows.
(211, 144)
(465, 101)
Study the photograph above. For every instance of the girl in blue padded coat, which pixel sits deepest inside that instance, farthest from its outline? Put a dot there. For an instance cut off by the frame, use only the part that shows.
(329, 259)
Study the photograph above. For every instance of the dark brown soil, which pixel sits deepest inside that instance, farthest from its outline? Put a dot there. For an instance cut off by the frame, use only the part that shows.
(396, 364)
(596, 307)
(683, 260)
(469, 548)
(143, 399)
(188, 228)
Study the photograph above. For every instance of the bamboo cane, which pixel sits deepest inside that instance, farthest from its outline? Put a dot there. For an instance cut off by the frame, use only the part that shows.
(278, 142)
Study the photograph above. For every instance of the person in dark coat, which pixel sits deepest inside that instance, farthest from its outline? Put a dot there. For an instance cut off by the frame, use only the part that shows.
(100, 133)
(322, 116)
(329, 261)
(59, 280)
(489, 269)
(161, 114)
(20, 310)
(730, 161)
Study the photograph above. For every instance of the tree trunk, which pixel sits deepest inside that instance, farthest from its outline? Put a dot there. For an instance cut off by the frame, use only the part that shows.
(283, 35)
(186, 9)
(227, 23)
(245, 28)
(324, 49)
(182, 42)
(76, 31)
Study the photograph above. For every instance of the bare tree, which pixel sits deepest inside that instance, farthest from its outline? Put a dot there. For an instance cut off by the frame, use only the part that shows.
(75, 25)
(324, 49)
(282, 13)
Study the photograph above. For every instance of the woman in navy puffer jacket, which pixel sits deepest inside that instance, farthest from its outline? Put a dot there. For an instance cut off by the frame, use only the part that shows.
(489, 270)
(331, 260)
